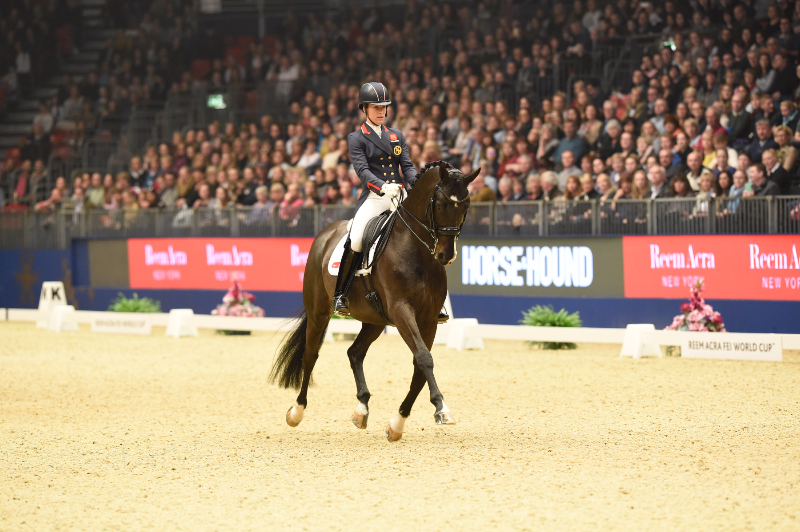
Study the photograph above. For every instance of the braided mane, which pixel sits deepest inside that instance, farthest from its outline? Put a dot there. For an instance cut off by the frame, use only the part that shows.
(431, 164)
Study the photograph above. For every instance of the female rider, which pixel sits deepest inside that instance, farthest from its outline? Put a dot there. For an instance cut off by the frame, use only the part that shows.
(378, 153)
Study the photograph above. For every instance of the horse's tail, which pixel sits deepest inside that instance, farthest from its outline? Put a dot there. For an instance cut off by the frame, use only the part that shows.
(287, 370)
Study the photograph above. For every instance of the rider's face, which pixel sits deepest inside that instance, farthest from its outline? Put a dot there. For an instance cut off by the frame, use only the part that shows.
(376, 114)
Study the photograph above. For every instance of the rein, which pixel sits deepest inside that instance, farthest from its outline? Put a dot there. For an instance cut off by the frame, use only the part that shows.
(430, 213)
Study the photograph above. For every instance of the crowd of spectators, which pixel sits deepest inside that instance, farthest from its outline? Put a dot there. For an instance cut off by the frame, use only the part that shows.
(711, 111)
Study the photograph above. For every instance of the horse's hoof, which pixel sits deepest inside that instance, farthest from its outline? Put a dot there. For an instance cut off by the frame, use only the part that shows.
(360, 420)
(444, 418)
(294, 415)
(392, 435)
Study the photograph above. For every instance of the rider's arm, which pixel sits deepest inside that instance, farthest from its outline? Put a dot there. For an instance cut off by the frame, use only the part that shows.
(409, 170)
(360, 165)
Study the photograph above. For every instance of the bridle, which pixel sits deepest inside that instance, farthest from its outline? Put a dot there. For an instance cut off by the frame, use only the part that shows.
(430, 214)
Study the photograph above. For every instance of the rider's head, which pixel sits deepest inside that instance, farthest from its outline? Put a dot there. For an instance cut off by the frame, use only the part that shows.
(373, 97)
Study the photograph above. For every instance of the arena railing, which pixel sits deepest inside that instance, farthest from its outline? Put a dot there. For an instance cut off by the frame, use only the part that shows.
(755, 215)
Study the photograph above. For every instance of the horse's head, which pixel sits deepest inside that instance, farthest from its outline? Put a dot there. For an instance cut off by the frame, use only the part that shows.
(450, 203)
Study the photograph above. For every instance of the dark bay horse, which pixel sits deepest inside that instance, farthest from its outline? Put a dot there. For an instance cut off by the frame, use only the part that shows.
(409, 277)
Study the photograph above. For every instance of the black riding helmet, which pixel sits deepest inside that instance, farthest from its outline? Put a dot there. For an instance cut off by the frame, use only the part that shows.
(373, 93)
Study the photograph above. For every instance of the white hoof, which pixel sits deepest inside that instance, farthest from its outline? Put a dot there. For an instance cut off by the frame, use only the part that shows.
(444, 416)
(295, 415)
(394, 430)
(360, 416)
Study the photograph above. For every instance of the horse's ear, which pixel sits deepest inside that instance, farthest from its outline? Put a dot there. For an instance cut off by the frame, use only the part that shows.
(444, 173)
(470, 177)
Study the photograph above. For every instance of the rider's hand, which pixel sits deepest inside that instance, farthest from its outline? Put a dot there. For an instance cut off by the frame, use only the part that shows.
(390, 189)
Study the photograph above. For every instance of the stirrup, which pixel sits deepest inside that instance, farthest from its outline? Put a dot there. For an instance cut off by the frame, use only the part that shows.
(443, 317)
(341, 306)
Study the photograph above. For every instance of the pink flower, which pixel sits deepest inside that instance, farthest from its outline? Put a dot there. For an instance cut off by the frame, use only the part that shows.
(686, 307)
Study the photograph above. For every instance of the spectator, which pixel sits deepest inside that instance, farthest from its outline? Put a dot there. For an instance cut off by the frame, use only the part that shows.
(95, 196)
(518, 188)
(571, 142)
(761, 185)
(787, 154)
(168, 196)
(479, 192)
(681, 188)
(44, 118)
(568, 162)
(549, 182)
(658, 182)
(51, 204)
(262, 208)
(588, 191)
(775, 172)
(290, 205)
(247, 196)
(694, 169)
(505, 190)
(790, 116)
(783, 80)
(721, 164)
(762, 142)
(310, 158)
(724, 182)
(605, 187)
(136, 172)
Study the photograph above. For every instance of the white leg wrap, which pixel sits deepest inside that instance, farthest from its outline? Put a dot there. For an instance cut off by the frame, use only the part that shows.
(297, 413)
(362, 409)
(397, 423)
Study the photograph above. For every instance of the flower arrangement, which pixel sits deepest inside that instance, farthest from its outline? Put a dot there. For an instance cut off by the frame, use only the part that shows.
(697, 316)
(237, 302)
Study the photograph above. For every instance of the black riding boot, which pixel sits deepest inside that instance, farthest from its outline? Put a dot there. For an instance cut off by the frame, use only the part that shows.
(347, 271)
(443, 317)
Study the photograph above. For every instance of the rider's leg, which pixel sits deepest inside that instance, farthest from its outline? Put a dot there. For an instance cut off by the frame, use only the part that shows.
(352, 256)
(347, 270)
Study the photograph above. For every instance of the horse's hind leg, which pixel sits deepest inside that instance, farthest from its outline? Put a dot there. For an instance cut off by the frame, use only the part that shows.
(315, 331)
(369, 333)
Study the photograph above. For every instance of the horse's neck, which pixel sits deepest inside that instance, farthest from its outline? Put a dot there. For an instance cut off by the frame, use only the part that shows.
(410, 231)
(419, 198)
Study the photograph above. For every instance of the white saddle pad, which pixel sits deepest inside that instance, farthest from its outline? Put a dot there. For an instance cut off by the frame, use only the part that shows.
(338, 252)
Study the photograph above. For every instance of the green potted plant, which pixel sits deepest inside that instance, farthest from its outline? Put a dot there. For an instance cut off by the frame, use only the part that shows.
(546, 316)
(134, 304)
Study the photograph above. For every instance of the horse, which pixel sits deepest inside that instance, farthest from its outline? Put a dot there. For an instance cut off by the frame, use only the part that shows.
(409, 276)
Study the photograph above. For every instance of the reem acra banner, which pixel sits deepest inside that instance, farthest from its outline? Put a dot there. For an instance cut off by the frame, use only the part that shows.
(752, 267)
(269, 264)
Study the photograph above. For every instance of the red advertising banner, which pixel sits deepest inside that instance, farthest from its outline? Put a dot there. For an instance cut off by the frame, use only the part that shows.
(733, 266)
(271, 264)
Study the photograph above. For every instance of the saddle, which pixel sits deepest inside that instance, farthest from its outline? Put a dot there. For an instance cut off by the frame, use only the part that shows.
(378, 229)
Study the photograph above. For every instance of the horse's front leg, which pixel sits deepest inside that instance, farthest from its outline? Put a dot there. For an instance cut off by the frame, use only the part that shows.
(420, 343)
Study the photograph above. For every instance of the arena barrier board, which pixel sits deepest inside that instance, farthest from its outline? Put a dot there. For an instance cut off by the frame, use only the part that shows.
(456, 334)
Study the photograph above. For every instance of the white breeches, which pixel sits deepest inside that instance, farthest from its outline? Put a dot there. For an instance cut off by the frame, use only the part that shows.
(373, 206)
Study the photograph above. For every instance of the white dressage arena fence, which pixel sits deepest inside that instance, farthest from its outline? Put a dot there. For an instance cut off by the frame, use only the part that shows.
(638, 340)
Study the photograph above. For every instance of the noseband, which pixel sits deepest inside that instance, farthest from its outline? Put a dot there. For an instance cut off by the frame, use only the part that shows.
(430, 214)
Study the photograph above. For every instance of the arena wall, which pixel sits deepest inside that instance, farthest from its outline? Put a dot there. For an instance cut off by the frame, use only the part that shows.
(493, 280)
